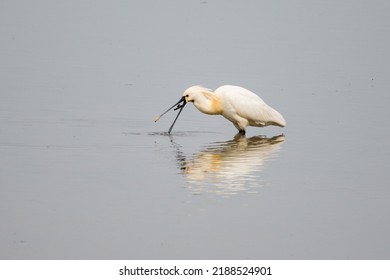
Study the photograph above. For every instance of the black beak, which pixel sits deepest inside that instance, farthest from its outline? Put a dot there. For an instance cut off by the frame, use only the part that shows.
(178, 106)
(183, 99)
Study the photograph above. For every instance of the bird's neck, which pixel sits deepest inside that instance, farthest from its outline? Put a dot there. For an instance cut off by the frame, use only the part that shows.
(209, 103)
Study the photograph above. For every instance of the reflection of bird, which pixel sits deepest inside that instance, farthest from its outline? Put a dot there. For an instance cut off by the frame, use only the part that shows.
(231, 166)
(239, 105)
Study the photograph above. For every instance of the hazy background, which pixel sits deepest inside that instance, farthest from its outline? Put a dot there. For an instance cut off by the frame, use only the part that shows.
(85, 173)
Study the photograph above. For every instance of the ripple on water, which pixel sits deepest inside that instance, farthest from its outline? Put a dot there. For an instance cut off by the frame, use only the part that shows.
(164, 133)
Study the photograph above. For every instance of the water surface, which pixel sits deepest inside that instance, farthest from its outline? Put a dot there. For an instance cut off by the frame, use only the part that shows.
(87, 174)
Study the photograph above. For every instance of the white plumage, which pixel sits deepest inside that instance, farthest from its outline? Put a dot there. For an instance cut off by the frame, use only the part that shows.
(237, 104)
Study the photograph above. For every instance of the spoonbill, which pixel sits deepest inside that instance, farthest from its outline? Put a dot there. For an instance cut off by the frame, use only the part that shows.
(237, 104)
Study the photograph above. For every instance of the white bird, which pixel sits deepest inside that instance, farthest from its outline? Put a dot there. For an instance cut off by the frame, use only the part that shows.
(237, 104)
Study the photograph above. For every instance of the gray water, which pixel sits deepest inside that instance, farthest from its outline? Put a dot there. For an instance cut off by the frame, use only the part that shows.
(85, 173)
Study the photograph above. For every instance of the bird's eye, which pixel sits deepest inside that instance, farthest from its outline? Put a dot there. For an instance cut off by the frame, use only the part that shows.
(187, 95)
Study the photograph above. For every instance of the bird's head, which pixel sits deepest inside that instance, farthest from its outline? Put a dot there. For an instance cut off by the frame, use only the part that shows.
(193, 93)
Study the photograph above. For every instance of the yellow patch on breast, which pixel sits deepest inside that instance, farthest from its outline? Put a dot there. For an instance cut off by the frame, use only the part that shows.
(216, 105)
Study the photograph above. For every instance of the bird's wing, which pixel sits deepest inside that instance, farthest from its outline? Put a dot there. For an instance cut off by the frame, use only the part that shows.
(254, 110)
(250, 106)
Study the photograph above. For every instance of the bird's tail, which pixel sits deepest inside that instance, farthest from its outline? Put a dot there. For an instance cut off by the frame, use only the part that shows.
(277, 118)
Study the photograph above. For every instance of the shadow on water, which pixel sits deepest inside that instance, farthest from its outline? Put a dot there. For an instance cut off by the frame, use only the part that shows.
(229, 167)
